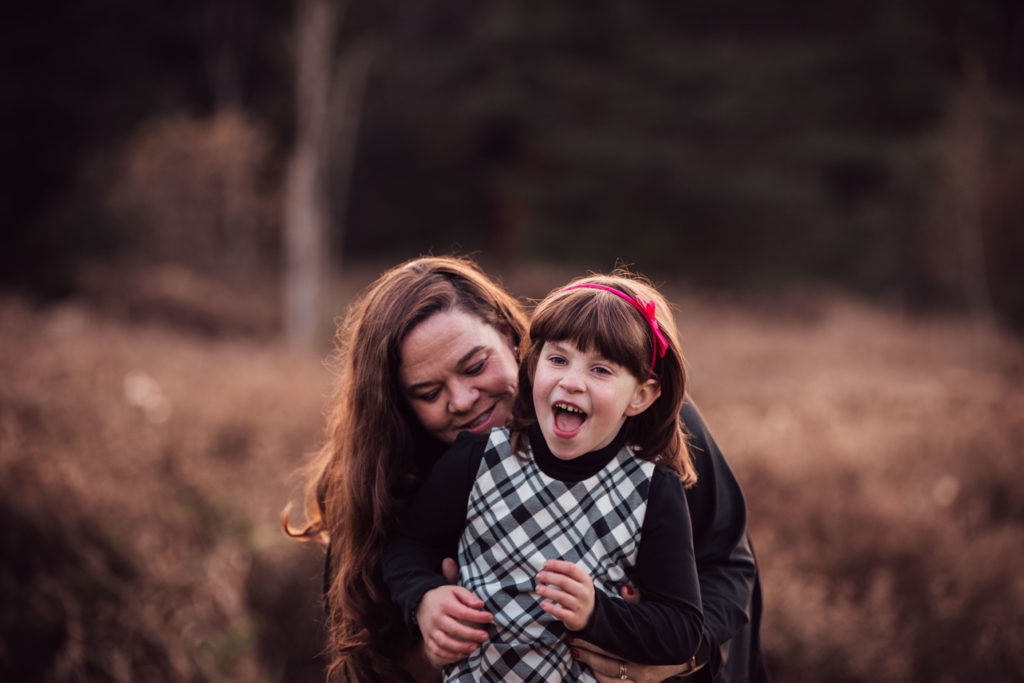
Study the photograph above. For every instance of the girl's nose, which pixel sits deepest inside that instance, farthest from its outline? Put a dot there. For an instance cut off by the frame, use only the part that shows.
(571, 381)
(462, 398)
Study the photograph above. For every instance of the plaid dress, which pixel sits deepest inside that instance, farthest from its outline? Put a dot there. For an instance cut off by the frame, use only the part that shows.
(517, 517)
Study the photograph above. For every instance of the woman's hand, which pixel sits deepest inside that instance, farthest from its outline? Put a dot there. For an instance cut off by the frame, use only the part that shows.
(569, 593)
(608, 668)
(445, 616)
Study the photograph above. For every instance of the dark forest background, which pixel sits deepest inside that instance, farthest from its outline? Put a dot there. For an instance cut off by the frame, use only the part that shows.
(830, 192)
(875, 146)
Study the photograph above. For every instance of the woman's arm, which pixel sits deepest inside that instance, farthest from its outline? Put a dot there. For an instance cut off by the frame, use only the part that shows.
(411, 561)
(726, 565)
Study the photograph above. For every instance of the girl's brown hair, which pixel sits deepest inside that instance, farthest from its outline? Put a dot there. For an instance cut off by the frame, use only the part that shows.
(595, 319)
(377, 452)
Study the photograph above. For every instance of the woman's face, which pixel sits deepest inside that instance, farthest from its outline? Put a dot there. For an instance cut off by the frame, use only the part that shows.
(458, 374)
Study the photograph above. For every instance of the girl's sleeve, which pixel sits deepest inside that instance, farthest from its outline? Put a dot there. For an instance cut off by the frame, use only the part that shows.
(411, 561)
(666, 626)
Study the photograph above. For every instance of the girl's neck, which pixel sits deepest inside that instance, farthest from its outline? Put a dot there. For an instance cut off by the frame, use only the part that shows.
(578, 468)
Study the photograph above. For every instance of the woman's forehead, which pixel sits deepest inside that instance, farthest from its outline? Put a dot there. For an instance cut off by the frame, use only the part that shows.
(446, 340)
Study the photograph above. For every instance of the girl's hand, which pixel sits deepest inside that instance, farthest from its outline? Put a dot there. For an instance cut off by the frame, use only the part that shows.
(445, 616)
(569, 593)
(608, 668)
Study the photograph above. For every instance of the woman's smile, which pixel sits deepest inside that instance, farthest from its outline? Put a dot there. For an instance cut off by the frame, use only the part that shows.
(481, 422)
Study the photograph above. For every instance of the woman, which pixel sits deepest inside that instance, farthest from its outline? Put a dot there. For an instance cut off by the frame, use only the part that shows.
(428, 351)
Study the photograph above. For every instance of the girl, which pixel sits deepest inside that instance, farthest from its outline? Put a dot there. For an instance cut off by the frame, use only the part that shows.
(552, 518)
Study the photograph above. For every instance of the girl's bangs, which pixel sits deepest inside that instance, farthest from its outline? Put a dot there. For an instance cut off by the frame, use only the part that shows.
(602, 323)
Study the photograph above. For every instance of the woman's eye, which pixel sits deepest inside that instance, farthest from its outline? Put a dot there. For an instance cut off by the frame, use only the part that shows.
(430, 396)
(476, 368)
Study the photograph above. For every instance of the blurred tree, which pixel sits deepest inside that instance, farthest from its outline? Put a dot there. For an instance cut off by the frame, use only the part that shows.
(328, 100)
(305, 204)
(735, 144)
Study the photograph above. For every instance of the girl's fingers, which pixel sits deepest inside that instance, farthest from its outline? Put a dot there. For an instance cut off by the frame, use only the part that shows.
(466, 607)
(447, 649)
(556, 594)
(556, 610)
(456, 638)
(561, 582)
(467, 597)
(566, 568)
(459, 631)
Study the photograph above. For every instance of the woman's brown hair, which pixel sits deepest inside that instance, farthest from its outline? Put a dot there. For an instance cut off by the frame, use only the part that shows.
(592, 318)
(377, 452)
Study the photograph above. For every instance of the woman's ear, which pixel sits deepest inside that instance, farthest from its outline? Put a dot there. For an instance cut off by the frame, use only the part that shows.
(644, 395)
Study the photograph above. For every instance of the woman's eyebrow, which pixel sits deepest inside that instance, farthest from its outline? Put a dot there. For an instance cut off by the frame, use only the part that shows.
(466, 357)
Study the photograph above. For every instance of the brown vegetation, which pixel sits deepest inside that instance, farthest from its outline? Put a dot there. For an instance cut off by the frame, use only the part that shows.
(143, 468)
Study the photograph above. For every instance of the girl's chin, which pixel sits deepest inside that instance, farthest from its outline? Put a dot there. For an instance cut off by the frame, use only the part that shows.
(558, 445)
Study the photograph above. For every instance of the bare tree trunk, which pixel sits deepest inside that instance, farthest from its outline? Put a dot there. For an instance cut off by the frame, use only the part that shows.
(306, 207)
(345, 108)
(968, 167)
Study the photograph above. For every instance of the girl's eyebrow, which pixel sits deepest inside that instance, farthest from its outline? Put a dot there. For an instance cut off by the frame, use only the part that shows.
(563, 346)
(466, 357)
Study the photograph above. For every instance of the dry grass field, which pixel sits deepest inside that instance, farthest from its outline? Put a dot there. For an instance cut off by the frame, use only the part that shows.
(143, 468)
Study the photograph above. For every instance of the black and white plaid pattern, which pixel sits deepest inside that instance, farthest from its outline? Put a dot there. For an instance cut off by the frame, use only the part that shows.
(517, 517)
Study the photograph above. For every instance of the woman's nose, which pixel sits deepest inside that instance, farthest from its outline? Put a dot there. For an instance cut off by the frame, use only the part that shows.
(462, 398)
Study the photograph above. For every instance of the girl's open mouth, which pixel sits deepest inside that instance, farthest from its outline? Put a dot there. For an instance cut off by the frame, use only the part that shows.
(568, 419)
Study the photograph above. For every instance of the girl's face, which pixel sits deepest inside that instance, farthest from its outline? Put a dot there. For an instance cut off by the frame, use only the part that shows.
(582, 399)
(458, 374)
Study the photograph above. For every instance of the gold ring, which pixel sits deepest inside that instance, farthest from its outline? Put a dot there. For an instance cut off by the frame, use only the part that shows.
(623, 674)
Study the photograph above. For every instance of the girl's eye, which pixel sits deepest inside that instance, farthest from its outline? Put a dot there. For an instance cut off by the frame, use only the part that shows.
(602, 370)
(557, 360)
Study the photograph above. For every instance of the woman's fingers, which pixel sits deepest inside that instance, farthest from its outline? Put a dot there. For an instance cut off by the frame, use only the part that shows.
(581, 645)
(606, 666)
(630, 594)
(599, 664)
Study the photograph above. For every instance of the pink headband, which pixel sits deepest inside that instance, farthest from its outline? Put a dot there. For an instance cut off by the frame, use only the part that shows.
(646, 310)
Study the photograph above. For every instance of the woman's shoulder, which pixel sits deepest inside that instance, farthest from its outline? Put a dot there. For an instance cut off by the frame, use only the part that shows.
(471, 446)
(470, 441)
